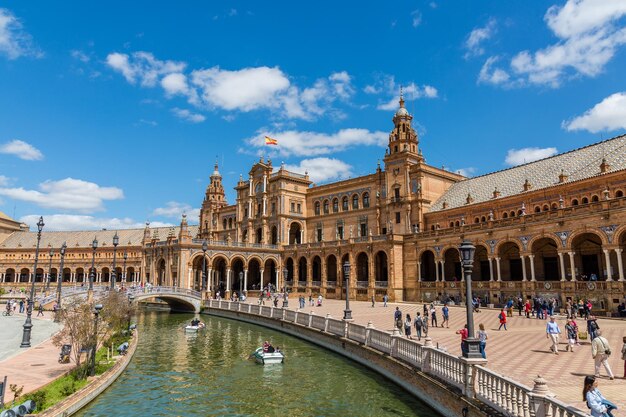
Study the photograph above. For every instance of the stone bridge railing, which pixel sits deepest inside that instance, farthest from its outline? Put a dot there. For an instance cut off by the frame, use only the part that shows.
(475, 382)
(158, 291)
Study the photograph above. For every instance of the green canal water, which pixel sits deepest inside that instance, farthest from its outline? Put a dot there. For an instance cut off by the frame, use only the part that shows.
(209, 374)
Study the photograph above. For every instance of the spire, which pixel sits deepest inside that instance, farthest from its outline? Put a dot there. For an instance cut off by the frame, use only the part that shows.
(401, 98)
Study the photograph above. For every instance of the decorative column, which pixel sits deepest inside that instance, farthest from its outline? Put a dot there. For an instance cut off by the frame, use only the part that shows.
(532, 267)
(607, 257)
(443, 270)
(277, 276)
(189, 275)
(262, 273)
(228, 280)
(245, 280)
(562, 263)
(436, 270)
(571, 264)
(523, 267)
(490, 269)
(620, 266)
(419, 271)
(498, 269)
(209, 278)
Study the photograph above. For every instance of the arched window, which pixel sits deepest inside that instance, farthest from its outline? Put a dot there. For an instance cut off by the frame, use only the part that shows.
(595, 199)
(230, 223)
(335, 205)
(505, 215)
(483, 219)
(366, 200)
(546, 207)
(326, 204)
(554, 206)
(355, 202)
(519, 212)
(317, 208)
(619, 193)
(451, 224)
(224, 224)
(585, 200)
(512, 214)
(457, 223)
(476, 220)
(574, 202)
(344, 204)
(537, 209)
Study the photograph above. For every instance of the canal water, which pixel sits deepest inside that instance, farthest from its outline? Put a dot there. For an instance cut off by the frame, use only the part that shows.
(209, 374)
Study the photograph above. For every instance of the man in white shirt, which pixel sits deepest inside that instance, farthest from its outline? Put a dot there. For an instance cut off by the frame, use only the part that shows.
(553, 331)
(601, 351)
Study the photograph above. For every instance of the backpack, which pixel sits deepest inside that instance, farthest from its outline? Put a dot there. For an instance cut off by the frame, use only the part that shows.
(500, 316)
(418, 322)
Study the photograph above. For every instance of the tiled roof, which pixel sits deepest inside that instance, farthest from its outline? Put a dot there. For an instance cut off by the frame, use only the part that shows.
(128, 237)
(577, 165)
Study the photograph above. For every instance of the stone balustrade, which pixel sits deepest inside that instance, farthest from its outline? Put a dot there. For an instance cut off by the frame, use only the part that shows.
(469, 376)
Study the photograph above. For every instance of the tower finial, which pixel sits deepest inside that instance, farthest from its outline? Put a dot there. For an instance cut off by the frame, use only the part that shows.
(401, 97)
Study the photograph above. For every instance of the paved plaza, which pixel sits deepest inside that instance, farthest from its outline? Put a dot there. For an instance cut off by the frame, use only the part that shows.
(521, 353)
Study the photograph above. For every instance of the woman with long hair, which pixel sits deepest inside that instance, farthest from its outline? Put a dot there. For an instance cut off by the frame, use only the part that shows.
(599, 406)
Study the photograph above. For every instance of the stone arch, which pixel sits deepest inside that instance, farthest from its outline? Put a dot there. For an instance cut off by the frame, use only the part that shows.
(510, 261)
(290, 271)
(381, 267)
(345, 203)
(129, 276)
(317, 207)
(269, 273)
(481, 270)
(54, 274)
(237, 267)
(589, 259)
(619, 193)
(274, 236)
(258, 235)
(295, 233)
(9, 275)
(302, 269)
(427, 265)
(197, 267)
(574, 202)
(39, 275)
(24, 275)
(217, 277)
(577, 233)
(105, 274)
(546, 262)
(331, 268)
(452, 264)
(316, 269)
(365, 199)
(595, 198)
(584, 200)
(161, 268)
(362, 267)
(335, 205)
(80, 275)
(355, 201)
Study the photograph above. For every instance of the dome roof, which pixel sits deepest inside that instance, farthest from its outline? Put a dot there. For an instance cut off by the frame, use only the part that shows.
(402, 112)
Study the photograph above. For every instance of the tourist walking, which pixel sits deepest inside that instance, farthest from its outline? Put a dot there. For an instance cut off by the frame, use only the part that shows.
(482, 338)
(601, 351)
(520, 305)
(527, 308)
(40, 310)
(419, 324)
(433, 315)
(463, 332)
(407, 326)
(623, 354)
(21, 306)
(397, 318)
(445, 311)
(373, 300)
(592, 326)
(425, 325)
(553, 331)
(599, 406)
(385, 299)
(502, 317)
(570, 330)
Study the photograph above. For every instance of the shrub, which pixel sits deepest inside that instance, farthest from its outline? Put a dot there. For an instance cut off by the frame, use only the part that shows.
(39, 397)
(68, 389)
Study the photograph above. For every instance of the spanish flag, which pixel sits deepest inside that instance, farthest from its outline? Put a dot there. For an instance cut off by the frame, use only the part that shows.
(270, 141)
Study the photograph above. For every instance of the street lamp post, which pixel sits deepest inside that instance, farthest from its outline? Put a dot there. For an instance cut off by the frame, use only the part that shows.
(472, 350)
(124, 269)
(347, 313)
(51, 254)
(205, 247)
(113, 278)
(92, 271)
(96, 312)
(60, 281)
(28, 324)
(131, 298)
(285, 295)
(240, 284)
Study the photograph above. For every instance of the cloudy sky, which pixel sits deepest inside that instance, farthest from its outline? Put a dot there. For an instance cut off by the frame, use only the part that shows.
(113, 113)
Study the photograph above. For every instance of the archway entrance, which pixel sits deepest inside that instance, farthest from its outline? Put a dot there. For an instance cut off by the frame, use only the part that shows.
(295, 233)
(588, 257)
(546, 262)
(427, 266)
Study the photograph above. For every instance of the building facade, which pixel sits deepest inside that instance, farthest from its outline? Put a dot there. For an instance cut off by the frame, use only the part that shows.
(553, 227)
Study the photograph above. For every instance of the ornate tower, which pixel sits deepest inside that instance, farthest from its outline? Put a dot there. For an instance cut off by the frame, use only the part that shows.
(214, 199)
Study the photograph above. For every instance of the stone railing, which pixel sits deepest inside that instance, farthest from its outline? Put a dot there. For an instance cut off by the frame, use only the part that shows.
(468, 376)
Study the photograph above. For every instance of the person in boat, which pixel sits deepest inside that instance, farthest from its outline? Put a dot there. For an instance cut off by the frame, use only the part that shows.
(195, 322)
(266, 346)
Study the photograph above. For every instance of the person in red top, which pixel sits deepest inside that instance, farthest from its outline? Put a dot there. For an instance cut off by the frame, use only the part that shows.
(527, 309)
(502, 317)
(464, 333)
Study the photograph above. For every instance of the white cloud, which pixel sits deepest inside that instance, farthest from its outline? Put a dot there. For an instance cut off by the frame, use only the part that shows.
(525, 155)
(298, 143)
(609, 114)
(63, 222)
(174, 209)
(188, 116)
(589, 33)
(475, 39)
(416, 17)
(322, 169)
(4, 180)
(80, 55)
(14, 41)
(68, 194)
(490, 75)
(22, 150)
(143, 67)
(387, 85)
(466, 172)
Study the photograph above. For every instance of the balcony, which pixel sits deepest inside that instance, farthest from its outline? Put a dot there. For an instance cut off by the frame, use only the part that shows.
(362, 284)
(381, 284)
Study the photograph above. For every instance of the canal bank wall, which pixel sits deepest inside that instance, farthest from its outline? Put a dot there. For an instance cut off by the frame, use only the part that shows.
(451, 385)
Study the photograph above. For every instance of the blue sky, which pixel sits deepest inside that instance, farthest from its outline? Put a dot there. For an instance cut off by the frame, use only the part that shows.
(112, 113)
